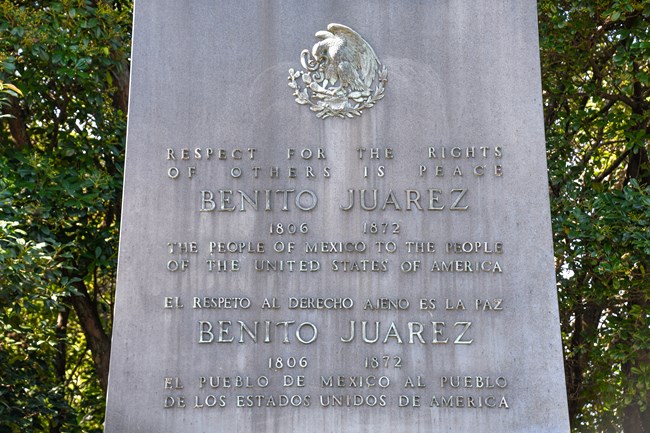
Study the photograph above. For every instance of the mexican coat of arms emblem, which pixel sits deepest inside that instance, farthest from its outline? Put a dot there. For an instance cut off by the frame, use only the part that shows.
(341, 76)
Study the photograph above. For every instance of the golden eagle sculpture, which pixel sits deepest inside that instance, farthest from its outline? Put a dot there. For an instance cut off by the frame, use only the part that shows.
(340, 71)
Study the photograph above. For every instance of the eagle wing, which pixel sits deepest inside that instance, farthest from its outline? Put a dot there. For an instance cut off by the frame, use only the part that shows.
(357, 52)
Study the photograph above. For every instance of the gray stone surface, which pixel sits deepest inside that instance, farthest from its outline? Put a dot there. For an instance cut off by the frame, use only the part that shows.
(213, 74)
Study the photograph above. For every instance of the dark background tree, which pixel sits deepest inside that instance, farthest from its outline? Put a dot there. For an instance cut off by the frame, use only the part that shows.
(595, 64)
(61, 155)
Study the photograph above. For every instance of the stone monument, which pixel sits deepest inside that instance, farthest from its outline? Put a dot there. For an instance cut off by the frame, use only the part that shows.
(336, 219)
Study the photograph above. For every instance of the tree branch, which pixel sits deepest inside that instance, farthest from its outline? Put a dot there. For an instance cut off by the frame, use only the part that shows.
(613, 167)
(98, 341)
(17, 123)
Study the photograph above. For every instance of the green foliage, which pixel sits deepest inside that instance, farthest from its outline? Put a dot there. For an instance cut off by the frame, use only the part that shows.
(28, 305)
(597, 100)
(7, 90)
(61, 151)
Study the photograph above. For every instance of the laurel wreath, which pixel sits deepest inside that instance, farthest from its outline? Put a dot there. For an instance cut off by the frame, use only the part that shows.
(329, 101)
